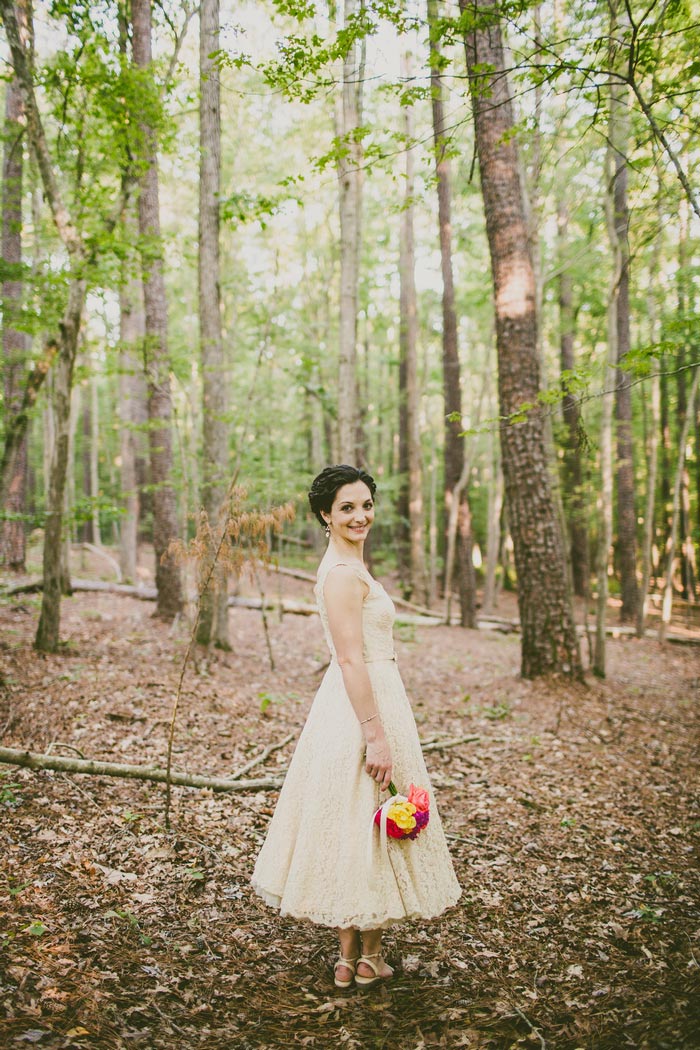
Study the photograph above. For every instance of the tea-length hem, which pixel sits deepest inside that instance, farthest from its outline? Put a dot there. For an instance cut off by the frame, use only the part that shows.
(319, 860)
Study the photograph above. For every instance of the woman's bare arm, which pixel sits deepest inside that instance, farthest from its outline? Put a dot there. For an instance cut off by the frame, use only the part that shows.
(344, 594)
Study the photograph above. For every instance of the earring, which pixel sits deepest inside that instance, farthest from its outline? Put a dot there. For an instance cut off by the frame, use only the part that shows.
(328, 531)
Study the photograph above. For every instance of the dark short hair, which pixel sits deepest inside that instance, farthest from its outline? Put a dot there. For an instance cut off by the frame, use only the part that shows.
(326, 484)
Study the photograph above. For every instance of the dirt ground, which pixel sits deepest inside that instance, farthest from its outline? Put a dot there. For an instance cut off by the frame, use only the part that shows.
(573, 821)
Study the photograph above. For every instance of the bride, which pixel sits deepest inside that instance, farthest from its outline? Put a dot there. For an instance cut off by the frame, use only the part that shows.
(322, 859)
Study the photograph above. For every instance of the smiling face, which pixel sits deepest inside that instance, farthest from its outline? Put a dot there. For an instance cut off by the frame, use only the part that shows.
(351, 514)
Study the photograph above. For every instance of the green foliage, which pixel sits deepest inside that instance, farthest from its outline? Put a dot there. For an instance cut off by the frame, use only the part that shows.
(9, 796)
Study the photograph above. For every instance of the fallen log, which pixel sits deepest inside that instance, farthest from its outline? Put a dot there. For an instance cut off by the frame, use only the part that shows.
(288, 605)
(10, 756)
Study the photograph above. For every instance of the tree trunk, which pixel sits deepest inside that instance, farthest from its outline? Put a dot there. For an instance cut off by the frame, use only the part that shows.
(652, 439)
(667, 605)
(408, 349)
(157, 361)
(213, 618)
(349, 165)
(687, 547)
(47, 635)
(451, 372)
(132, 398)
(14, 342)
(549, 641)
(493, 527)
(572, 466)
(618, 227)
(94, 456)
(605, 502)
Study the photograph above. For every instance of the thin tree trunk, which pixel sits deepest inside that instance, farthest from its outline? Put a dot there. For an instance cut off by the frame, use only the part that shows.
(132, 397)
(549, 641)
(213, 619)
(157, 360)
(15, 343)
(667, 606)
(572, 466)
(95, 455)
(605, 502)
(451, 370)
(618, 228)
(47, 635)
(687, 548)
(652, 438)
(493, 526)
(408, 349)
(349, 165)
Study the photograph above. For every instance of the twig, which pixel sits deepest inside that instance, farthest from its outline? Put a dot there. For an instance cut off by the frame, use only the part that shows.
(59, 743)
(535, 1031)
(261, 757)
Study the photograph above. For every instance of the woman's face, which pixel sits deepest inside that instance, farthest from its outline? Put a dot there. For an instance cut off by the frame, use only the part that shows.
(352, 512)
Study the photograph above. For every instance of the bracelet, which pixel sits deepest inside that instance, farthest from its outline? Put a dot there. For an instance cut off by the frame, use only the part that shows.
(368, 719)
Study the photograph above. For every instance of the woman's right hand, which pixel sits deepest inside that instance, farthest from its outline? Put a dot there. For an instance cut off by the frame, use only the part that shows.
(378, 760)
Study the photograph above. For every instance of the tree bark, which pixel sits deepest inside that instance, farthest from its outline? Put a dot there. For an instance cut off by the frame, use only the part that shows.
(493, 527)
(549, 641)
(652, 437)
(132, 401)
(453, 456)
(687, 547)
(15, 343)
(213, 616)
(572, 466)
(349, 166)
(605, 501)
(667, 605)
(408, 350)
(617, 215)
(157, 360)
(47, 635)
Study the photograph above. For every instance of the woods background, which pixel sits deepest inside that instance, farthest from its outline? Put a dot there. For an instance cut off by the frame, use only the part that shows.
(457, 245)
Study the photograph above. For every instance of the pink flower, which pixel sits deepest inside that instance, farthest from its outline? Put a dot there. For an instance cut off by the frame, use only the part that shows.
(419, 797)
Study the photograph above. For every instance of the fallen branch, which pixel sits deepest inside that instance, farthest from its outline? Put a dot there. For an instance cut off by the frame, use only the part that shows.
(288, 605)
(440, 745)
(101, 553)
(261, 757)
(10, 756)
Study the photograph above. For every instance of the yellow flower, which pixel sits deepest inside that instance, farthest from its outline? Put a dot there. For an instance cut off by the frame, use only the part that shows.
(402, 815)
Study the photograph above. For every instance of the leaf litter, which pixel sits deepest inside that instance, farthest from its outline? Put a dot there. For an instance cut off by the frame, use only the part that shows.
(573, 820)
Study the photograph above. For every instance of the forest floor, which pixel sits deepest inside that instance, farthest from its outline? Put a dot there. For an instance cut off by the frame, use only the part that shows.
(572, 820)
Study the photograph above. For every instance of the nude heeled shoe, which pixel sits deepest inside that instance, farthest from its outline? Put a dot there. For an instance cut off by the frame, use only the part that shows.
(351, 964)
(369, 960)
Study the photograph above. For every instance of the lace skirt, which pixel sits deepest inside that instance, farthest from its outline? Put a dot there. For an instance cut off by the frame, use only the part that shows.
(321, 860)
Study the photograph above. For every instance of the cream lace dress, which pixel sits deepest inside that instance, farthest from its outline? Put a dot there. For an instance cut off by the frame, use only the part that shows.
(320, 860)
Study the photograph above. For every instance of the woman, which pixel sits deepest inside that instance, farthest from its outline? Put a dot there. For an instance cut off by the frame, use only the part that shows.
(322, 859)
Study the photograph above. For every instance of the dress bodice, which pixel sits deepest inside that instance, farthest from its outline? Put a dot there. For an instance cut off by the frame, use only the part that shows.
(378, 613)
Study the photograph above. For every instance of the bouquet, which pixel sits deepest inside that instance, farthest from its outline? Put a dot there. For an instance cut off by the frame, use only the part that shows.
(403, 816)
